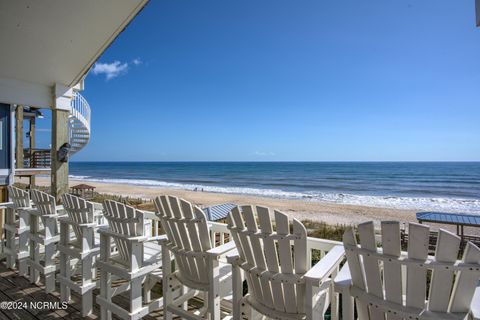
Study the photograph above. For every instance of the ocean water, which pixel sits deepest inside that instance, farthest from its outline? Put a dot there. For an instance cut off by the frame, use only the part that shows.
(445, 186)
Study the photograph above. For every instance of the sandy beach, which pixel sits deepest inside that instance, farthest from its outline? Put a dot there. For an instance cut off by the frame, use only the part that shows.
(330, 213)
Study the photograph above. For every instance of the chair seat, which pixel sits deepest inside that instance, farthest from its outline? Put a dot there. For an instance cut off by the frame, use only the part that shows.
(272, 312)
(152, 252)
(225, 280)
(410, 312)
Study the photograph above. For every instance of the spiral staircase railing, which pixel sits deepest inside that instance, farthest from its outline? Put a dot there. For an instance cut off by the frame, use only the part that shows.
(79, 123)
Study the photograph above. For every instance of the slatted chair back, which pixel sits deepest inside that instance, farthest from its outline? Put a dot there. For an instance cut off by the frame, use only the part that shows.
(44, 202)
(187, 232)
(79, 211)
(126, 222)
(19, 197)
(381, 277)
(273, 256)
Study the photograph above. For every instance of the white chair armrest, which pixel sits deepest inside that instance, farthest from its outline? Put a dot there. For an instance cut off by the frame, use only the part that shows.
(163, 241)
(149, 215)
(233, 256)
(97, 206)
(160, 238)
(53, 216)
(343, 281)
(106, 231)
(34, 212)
(87, 225)
(61, 213)
(100, 226)
(67, 220)
(221, 250)
(324, 268)
(475, 306)
(5, 205)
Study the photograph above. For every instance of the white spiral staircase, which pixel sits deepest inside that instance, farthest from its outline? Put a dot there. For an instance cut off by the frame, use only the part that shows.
(79, 123)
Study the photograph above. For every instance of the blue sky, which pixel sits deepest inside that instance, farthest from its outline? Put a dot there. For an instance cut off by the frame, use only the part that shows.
(289, 80)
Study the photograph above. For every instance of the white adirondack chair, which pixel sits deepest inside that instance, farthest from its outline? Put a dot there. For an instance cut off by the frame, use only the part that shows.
(389, 282)
(43, 232)
(281, 284)
(137, 260)
(198, 268)
(16, 227)
(78, 254)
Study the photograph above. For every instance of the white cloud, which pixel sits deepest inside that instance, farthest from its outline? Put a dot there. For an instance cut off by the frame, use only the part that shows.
(111, 70)
(137, 61)
(264, 154)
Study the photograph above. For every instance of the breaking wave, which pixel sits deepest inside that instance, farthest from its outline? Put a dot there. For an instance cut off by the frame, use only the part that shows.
(417, 203)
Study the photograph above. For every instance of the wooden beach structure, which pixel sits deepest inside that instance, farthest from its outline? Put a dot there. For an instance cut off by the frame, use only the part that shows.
(83, 190)
(459, 220)
(219, 212)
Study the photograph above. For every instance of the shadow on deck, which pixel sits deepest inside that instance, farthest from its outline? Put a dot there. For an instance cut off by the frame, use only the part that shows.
(19, 289)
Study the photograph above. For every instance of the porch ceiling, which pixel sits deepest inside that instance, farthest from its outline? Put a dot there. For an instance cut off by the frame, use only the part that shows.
(57, 41)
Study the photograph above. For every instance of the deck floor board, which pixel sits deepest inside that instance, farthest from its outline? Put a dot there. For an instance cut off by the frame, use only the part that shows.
(17, 288)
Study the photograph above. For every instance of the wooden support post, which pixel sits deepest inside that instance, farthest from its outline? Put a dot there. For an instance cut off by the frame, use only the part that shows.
(59, 137)
(32, 147)
(19, 137)
(60, 111)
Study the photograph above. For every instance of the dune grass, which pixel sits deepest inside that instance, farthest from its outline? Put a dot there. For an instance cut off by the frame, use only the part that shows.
(324, 231)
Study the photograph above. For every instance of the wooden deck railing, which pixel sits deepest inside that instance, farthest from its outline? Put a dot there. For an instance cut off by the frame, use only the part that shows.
(37, 158)
(433, 238)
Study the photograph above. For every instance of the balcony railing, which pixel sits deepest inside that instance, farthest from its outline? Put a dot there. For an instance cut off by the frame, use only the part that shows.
(36, 158)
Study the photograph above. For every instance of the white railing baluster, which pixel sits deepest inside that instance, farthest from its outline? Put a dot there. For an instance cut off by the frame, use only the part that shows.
(222, 238)
(79, 129)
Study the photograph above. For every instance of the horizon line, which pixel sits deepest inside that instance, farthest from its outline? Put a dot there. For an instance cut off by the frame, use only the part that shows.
(270, 161)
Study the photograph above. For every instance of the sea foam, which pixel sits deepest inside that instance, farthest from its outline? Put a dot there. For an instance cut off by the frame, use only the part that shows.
(416, 203)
